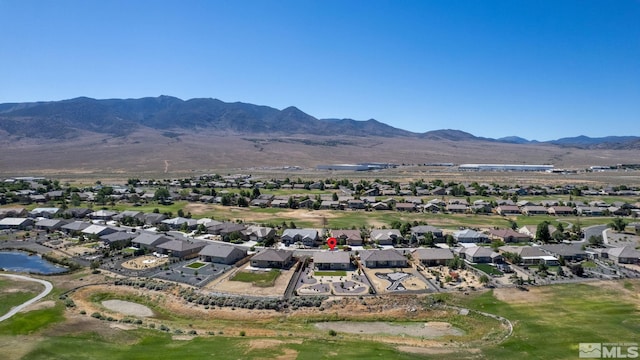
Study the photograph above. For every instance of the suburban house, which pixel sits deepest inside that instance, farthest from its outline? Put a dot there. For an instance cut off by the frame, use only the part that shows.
(153, 218)
(118, 239)
(432, 256)
(560, 210)
(385, 236)
(272, 258)
(622, 255)
(569, 252)
(177, 223)
(49, 224)
(308, 237)
(389, 258)
(534, 210)
(509, 235)
(129, 214)
(531, 255)
(332, 260)
(457, 208)
(13, 212)
(531, 230)
(470, 236)
(508, 210)
(406, 206)
(149, 241)
(259, 233)
(44, 212)
(224, 228)
(380, 206)
(180, 249)
(350, 237)
(76, 213)
(222, 254)
(104, 215)
(16, 223)
(418, 233)
(589, 210)
(480, 255)
(75, 227)
(356, 204)
(97, 230)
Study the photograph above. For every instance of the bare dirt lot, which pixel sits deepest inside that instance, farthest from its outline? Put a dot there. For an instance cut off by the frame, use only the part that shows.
(127, 308)
(223, 284)
(429, 330)
(144, 262)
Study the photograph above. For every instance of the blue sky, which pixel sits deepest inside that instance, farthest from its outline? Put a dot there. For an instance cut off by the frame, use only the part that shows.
(537, 69)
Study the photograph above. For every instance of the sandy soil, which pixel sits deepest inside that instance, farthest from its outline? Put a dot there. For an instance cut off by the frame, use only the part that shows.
(144, 262)
(223, 284)
(410, 283)
(39, 306)
(81, 250)
(430, 330)
(127, 308)
(511, 295)
(470, 278)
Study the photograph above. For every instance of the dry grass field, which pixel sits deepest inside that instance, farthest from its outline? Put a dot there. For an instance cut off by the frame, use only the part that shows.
(149, 154)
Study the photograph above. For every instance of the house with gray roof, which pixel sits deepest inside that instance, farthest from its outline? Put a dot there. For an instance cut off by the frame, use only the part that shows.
(418, 233)
(129, 214)
(177, 223)
(118, 239)
(389, 258)
(470, 236)
(154, 218)
(104, 215)
(531, 255)
(348, 237)
(45, 212)
(570, 252)
(75, 227)
(222, 254)
(259, 233)
(97, 230)
(308, 237)
(49, 224)
(480, 255)
(386, 236)
(623, 255)
(272, 258)
(149, 241)
(332, 260)
(13, 212)
(16, 223)
(180, 249)
(433, 256)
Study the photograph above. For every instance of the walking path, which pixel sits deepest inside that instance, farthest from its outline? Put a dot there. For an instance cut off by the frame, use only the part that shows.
(47, 289)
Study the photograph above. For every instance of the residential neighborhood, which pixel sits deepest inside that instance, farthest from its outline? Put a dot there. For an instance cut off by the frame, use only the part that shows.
(105, 228)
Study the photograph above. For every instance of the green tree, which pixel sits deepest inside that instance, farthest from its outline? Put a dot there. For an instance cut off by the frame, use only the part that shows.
(161, 194)
(484, 279)
(542, 232)
(618, 224)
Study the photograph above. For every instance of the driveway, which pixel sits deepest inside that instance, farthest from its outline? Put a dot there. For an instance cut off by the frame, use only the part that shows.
(47, 289)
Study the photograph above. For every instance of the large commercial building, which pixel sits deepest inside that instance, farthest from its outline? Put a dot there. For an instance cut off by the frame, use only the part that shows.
(504, 167)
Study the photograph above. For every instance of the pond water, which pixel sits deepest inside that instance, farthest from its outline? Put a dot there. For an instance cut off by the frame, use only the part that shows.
(27, 263)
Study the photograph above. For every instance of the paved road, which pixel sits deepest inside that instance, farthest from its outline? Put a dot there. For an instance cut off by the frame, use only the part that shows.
(47, 289)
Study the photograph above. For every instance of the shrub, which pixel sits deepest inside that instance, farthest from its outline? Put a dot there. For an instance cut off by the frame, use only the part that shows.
(332, 332)
(243, 333)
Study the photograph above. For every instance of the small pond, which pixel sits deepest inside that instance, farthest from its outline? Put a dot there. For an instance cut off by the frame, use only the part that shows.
(28, 263)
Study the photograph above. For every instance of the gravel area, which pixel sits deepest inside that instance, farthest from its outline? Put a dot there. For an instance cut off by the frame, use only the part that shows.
(127, 308)
(429, 330)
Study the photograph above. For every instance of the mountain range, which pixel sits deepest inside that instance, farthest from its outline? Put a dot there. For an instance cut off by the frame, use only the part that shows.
(69, 119)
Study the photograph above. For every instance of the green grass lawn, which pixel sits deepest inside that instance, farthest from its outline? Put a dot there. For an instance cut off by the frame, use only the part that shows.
(261, 279)
(553, 323)
(330, 273)
(196, 265)
(491, 270)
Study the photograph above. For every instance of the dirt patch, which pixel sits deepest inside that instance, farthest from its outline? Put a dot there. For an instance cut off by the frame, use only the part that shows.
(259, 344)
(433, 350)
(144, 262)
(39, 306)
(426, 330)
(223, 284)
(511, 295)
(127, 308)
